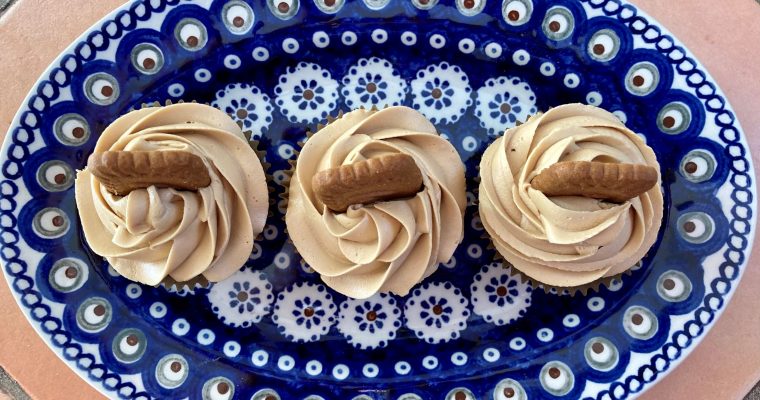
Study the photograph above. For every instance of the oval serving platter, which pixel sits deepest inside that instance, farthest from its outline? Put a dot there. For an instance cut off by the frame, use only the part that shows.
(492, 336)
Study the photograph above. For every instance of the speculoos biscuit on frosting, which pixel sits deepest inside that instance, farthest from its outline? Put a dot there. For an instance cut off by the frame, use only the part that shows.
(392, 242)
(150, 227)
(585, 225)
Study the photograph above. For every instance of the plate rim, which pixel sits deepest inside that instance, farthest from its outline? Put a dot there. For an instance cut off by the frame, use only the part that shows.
(99, 26)
(688, 55)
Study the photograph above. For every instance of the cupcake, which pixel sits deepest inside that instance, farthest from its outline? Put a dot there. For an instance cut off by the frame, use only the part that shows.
(571, 197)
(173, 194)
(376, 201)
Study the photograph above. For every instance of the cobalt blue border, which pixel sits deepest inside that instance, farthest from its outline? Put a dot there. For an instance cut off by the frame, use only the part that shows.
(16, 150)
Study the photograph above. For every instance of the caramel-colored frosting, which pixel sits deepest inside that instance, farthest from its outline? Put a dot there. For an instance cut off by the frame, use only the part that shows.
(566, 241)
(158, 231)
(387, 246)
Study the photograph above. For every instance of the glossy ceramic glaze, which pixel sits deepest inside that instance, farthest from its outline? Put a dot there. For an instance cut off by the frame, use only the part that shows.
(472, 330)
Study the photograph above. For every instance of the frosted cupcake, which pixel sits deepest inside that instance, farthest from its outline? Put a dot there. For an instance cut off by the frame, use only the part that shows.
(571, 197)
(173, 193)
(376, 201)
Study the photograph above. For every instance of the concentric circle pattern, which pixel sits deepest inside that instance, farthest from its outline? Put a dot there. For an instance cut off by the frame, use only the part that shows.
(474, 68)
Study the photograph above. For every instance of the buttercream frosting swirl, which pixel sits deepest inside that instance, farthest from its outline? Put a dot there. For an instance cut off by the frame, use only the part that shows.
(566, 241)
(153, 233)
(387, 246)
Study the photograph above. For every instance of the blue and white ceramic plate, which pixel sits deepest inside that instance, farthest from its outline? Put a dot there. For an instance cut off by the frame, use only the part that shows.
(474, 67)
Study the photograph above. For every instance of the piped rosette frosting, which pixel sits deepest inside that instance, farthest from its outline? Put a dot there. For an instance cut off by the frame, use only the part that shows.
(388, 245)
(568, 240)
(156, 230)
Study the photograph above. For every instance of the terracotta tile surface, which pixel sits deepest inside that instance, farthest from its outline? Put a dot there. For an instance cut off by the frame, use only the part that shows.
(32, 34)
(724, 35)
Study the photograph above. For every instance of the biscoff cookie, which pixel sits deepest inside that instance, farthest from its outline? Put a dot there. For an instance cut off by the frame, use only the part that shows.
(615, 182)
(387, 177)
(121, 172)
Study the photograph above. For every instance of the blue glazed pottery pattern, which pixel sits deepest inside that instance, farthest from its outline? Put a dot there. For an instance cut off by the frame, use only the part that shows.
(474, 329)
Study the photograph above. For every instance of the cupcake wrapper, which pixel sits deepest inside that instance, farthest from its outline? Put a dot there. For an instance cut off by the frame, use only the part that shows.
(266, 166)
(199, 282)
(157, 103)
(594, 286)
(261, 154)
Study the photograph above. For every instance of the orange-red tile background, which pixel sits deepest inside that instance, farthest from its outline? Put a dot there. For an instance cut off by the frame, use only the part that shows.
(724, 35)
